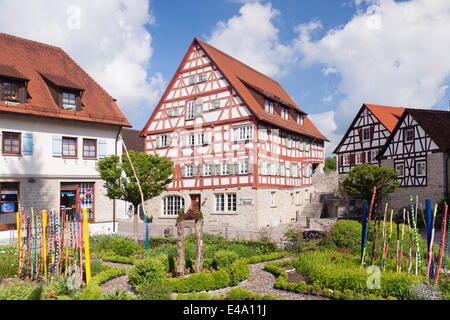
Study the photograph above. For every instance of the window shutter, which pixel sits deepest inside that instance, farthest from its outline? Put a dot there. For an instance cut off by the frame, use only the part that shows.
(27, 144)
(200, 168)
(169, 141)
(207, 138)
(194, 170)
(23, 95)
(363, 157)
(352, 158)
(236, 168)
(372, 131)
(57, 146)
(360, 134)
(1, 140)
(101, 149)
(157, 142)
(369, 156)
(230, 169)
(249, 165)
(183, 171)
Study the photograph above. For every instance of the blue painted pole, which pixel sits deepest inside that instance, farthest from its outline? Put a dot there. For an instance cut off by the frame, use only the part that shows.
(146, 233)
(364, 229)
(429, 225)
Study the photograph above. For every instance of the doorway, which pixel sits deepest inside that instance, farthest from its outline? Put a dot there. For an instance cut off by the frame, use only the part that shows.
(74, 197)
(195, 202)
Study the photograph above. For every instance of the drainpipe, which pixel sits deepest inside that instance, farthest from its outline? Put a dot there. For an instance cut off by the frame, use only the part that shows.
(114, 201)
(447, 164)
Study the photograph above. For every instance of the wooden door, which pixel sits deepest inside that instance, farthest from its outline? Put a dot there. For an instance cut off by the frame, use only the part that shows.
(195, 202)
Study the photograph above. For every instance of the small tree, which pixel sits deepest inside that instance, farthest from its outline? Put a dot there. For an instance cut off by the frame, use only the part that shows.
(361, 180)
(153, 172)
(330, 164)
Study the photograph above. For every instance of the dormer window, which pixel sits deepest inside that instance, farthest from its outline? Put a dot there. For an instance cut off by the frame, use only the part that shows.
(69, 101)
(268, 106)
(12, 91)
(300, 119)
(284, 113)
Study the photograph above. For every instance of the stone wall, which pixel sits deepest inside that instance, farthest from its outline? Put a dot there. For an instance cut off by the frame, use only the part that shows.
(251, 221)
(326, 182)
(434, 190)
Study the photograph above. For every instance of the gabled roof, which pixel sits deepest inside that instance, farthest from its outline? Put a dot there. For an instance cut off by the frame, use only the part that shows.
(435, 123)
(240, 76)
(39, 63)
(388, 117)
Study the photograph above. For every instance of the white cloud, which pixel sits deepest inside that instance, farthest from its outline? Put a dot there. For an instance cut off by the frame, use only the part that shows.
(326, 124)
(106, 37)
(395, 54)
(253, 38)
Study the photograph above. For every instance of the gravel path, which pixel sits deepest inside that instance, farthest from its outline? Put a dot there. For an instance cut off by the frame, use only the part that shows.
(259, 281)
(110, 287)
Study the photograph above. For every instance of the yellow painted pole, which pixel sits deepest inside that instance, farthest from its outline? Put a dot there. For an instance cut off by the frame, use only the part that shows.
(19, 241)
(44, 239)
(87, 256)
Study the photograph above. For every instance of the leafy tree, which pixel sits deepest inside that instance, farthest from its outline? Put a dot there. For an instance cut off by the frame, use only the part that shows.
(361, 180)
(330, 164)
(154, 174)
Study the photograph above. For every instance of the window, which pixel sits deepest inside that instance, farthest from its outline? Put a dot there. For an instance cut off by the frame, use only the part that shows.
(197, 139)
(400, 168)
(224, 169)
(358, 158)
(195, 109)
(346, 159)
(366, 134)
(374, 155)
(282, 170)
(89, 148)
(288, 141)
(226, 202)
(173, 205)
(207, 170)
(409, 135)
(189, 171)
(215, 104)
(268, 106)
(162, 141)
(172, 112)
(242, 133)
(69, 101)
(284, 113)
(421, 168)
(202, 78)
(11, 92)
(192, 80)
(272, 198)
(300, 119)
(244, 167)
(11, 143)
(69, 147)
(274, 169)
(294, 170)
(263, 133)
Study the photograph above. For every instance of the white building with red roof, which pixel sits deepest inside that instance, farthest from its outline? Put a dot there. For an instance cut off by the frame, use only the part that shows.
(244, 152)
(56, 122)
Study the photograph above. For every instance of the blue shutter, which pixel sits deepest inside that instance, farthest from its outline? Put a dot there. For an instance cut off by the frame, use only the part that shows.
(27, 144)
(102, 149)
(57, 146)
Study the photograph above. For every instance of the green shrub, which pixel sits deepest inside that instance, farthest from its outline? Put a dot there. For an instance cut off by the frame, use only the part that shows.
(8, 262)
(58, 286)
(146, 272)
(118, 295)
(224, 258)
(96, 266)
(203, 281)
(112, 257)
(199, 296)
(91, 292)
(337, 294)
(301, 287)
(345, 234)
(241, 294)
(20, 290)
(267, 257)
(348, 294)
(124, 247)
(205, 237)
(239, 271)
(156, 291)
(108, 274)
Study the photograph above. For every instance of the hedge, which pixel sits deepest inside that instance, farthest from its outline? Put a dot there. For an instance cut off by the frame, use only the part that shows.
(316, 288)
(233, 294)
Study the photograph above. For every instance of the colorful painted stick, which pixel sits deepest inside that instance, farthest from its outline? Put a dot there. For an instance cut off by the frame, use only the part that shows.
(368, 222)
(386, 249)
(401, 241)
(397, 248)
(442, 244)
(87, 255)
(430, 251)
(363, 230)
(446, 244)
(410, 244)
(416, 240)
(44, 237)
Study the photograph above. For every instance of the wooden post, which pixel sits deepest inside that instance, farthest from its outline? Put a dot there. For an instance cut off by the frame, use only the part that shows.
(199, 239)
(181, 248)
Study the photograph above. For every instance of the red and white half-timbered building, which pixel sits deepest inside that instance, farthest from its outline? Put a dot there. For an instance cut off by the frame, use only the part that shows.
(243, 151)
(366, 136)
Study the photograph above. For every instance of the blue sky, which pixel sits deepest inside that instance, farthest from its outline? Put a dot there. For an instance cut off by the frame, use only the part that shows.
(330, 55)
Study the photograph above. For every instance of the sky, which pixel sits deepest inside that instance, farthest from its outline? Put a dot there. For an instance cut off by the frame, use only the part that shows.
(330, 56)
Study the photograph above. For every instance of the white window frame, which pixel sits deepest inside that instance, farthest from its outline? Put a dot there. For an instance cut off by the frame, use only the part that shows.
(268, 106)
(285, 113)
(207, 170)
(373, 155)
(263, 133)
(225, 202)
(202, 77)
(243, 133)
(358, 158)
(346, 160)
(424, 174)
(172, 205)
(288, 141)
(405, 132)
(244, 167)
(189, 171)
(224, 169)
(300, 119)
(192, 80)
(190, 114)
(173, 112)
(163, 141)
(401, 173)
(363, 134)
(214, 104)
(272, 199)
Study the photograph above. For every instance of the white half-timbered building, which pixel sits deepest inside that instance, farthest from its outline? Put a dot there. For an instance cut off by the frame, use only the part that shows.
(244, 152)
(419, 150)
(366, 136)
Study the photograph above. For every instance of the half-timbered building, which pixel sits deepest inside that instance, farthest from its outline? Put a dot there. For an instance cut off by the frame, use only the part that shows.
(419, 150)
(244, 152)
(366, 136)
(56, 122)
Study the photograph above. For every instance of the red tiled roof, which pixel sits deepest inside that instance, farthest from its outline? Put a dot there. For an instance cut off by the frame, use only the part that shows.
(133, 140)
(239, 73)
(33, 61)
(387, 115)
